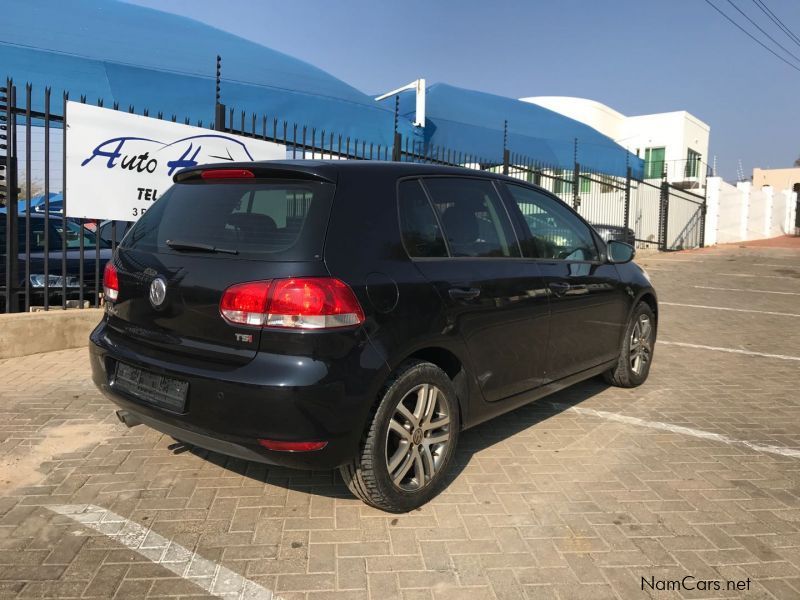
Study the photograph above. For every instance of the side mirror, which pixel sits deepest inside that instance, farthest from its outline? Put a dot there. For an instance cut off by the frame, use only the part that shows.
(619, 252)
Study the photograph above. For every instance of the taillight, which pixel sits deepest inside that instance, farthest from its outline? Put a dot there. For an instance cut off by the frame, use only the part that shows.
(110, 282)
(246, 303)
(297, 303)
(313, 303)
(227, 174)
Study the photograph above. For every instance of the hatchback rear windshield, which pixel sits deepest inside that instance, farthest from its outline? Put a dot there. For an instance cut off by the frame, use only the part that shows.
(268, 220)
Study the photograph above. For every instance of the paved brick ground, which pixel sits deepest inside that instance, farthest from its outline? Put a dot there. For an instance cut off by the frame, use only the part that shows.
(556, 500)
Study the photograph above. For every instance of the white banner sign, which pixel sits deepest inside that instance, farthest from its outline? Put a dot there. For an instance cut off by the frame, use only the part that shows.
(118, 164)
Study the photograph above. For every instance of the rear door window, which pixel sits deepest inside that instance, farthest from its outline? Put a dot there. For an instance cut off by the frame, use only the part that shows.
(269, 220)
(473, 217)
(422, 236)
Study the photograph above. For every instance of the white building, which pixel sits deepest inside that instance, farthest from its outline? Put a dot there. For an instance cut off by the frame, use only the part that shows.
(675, 143)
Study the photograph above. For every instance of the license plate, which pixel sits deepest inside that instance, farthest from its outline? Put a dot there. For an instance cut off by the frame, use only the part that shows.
(150, 387)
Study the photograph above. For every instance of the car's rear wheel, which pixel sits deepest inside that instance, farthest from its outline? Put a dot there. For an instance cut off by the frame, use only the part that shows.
(410, 441)
(638, 345)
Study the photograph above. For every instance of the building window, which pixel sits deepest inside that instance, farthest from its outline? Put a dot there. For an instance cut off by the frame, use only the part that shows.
(692, 163)
(562, 182)
(534, 177)
(653, 163)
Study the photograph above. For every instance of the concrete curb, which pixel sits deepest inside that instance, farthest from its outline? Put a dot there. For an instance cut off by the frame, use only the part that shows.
(31, 333)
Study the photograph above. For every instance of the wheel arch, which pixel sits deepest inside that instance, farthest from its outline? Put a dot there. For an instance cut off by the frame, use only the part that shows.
(454, 366)
(649, 298)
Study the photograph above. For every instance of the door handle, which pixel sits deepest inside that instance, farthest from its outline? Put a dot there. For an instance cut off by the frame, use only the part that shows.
(559, 288)
(464, 293)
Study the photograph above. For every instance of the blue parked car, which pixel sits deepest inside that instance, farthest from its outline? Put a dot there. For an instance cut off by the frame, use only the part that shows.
(38, 204)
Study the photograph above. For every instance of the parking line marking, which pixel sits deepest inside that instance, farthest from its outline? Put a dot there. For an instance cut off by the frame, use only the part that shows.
(764, 276)
(789, 266)
(648, 259)
(698, 433)
(212, 577)
(747, 310)
(706, 287)
(731, 350)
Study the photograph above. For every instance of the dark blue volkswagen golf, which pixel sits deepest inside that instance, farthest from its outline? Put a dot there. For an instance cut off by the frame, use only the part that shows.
(359, 315)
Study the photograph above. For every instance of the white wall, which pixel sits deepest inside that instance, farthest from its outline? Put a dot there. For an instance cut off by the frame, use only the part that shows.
(675, 131)
(737, 213)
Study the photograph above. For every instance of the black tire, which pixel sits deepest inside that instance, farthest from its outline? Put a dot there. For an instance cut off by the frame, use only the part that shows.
(368, 474)
(624, 374)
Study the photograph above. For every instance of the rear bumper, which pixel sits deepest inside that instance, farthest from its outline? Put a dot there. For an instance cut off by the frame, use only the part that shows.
(276, 397)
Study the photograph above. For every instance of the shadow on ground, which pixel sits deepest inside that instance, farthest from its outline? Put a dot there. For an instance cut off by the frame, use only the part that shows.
(472, 441)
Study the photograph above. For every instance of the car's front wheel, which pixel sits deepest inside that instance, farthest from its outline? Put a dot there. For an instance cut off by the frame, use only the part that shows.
(636, 354)
(409, 443)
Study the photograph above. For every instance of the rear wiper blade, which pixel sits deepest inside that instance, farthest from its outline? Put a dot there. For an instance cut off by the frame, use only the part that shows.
(198, 247)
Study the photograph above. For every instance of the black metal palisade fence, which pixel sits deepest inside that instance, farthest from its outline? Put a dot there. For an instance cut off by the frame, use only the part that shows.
(662, 215)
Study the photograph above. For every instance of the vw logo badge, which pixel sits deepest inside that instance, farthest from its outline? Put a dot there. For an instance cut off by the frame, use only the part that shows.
(158, 291)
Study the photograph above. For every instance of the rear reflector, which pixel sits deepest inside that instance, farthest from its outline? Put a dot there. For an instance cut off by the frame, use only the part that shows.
(292, 446)
(227, 174)
(297, 303)
(110, 282)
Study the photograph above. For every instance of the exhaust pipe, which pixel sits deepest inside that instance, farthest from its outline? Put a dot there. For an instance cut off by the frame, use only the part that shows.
(127, 418)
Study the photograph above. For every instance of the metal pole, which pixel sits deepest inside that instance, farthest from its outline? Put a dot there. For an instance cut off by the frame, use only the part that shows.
(576, 180)
(28, 195)
(663, 217)
(219, 108)
(47, 198)
(703, 218)
(628, 177)
(64, 99)
(5, 177)
(12, 238)
(398, 140)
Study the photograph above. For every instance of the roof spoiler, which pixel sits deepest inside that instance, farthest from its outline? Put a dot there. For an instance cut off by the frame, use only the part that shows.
(259, 171)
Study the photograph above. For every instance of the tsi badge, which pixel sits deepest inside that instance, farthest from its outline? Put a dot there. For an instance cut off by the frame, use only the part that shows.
(158, 291)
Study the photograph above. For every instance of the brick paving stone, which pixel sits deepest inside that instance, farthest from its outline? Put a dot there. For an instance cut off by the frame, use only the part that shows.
(547, 503)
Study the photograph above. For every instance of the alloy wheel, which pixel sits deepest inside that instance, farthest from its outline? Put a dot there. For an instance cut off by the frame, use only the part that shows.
(418, 437)
(641, 346)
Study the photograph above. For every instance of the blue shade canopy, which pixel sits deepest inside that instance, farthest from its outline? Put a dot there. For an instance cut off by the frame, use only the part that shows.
(472, 122)
(137, 56)
(166, 63)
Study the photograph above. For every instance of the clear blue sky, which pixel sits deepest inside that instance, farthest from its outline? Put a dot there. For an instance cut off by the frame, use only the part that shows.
(637, 56)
